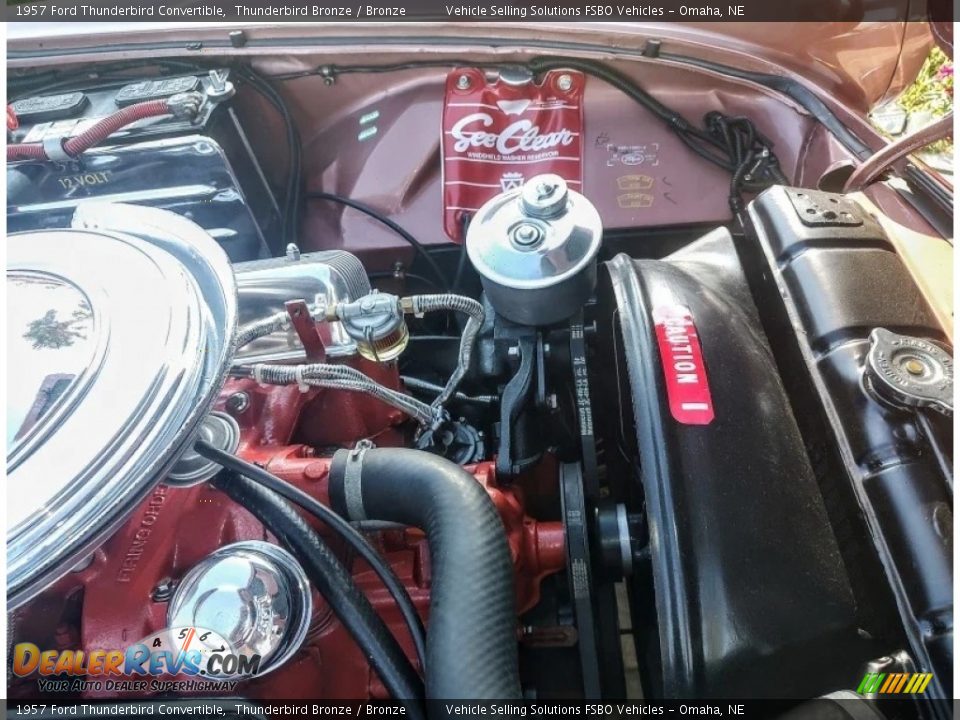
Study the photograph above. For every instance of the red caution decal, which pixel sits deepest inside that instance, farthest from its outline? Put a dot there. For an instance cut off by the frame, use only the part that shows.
(688, 390)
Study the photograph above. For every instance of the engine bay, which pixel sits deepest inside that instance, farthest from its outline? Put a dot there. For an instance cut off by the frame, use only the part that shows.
(547, 378)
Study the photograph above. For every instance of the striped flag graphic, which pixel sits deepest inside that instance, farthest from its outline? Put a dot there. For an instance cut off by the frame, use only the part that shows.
(894, 683)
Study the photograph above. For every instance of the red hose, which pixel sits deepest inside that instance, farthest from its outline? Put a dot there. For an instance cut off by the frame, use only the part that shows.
(110, 124)
(95, 134)
(28, 151)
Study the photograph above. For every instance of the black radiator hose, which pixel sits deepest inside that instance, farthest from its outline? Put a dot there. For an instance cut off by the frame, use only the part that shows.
(471, 632)
(333, 582)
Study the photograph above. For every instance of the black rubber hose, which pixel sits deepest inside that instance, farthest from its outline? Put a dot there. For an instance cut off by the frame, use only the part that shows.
(471, 633)
(784, 85)
(793, 89)
(345, 530)
(619, 81)
(334, 583)
(384, 220)
(290, 229)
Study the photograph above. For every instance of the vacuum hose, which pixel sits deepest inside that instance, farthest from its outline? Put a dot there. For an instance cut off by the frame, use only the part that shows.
(339, 377)
(471, 634)
(333, 582)
(418, 304)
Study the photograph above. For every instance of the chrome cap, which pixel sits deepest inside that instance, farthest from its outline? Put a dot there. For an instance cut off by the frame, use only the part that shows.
(536, 236)
(909, 372)
(119, 334)
(253, 594)
(545, 196)
(218, 429)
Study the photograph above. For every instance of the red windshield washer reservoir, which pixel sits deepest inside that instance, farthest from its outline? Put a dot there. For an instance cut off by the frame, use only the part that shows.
(499, 133)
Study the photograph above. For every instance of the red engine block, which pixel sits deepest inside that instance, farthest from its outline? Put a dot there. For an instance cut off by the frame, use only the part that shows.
(119, 598)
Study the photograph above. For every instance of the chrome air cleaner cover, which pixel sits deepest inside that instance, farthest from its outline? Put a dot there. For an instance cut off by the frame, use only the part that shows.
(120, 331)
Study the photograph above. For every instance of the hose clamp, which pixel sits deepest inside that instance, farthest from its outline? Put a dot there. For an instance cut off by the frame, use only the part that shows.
(352, 490)
(302, 384)
(440, 417)
(53, 147)
(411, 306)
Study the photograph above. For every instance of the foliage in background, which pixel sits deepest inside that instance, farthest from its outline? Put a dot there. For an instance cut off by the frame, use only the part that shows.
(932, 93)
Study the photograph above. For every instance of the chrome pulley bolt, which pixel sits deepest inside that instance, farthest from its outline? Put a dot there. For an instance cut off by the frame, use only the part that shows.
(527, 235)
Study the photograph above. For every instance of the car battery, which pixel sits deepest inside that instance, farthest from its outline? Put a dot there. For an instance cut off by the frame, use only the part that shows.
(204, 169)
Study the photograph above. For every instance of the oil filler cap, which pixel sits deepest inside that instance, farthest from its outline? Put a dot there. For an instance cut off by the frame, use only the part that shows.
(218, 429)
(254, 595)
(909, 372)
